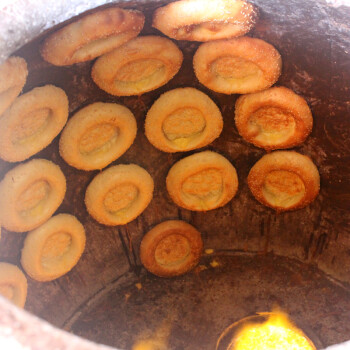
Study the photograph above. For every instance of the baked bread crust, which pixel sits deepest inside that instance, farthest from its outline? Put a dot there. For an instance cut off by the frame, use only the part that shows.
(143, 64)
(275, 118)
(32, 122)
(30, 193)
(91, 36)
(171, 248)
(13, 284)
(183, 119)
(119, 194)
(13, 76)
(97, 135)
(54, 248)
(198, 20)
(284, 180)
(202, 181)
(237, 66)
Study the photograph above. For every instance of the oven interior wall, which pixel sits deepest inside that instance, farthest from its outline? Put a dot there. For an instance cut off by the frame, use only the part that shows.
(314, 42)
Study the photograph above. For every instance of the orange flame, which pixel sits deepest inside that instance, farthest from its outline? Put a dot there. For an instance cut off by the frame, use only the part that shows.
(156, 340)
(277, 333)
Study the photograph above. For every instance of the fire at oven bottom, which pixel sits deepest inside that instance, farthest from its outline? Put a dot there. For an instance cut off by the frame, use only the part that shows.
(191, 311)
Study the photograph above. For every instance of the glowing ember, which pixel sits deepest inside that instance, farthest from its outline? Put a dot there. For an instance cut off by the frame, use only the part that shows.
(277, 333)
(157, 340)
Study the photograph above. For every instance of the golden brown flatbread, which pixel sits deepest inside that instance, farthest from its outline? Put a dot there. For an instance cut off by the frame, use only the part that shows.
(92, 35)
(30, 193)
(13, 76)
(284, 180)
(171, 248)
(183, 119)
(202, 181)
(97, 135)
(32, 122)
(205, 20)
(13, 284)
(143, 64)
(275, 118)
(54, 248)
(119, 194)
(237, 66)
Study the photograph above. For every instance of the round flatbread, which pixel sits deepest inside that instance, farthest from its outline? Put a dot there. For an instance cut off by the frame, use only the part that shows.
(275, 118)
(198, 20)
(171, 248)
(202, 181)
(13, 76)
(183, 119)
(284, 180)
(13, 284)
(30, 193)
(143, 64)
(119, 194)
(54, 248)
(92, 35)
(32, 122)
(97, 135)
(237, 66)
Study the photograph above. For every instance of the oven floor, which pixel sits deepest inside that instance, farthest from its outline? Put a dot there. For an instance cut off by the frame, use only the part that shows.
(191, 311)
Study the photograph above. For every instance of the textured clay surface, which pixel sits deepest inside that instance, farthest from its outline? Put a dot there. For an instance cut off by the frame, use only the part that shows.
(314, 42)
